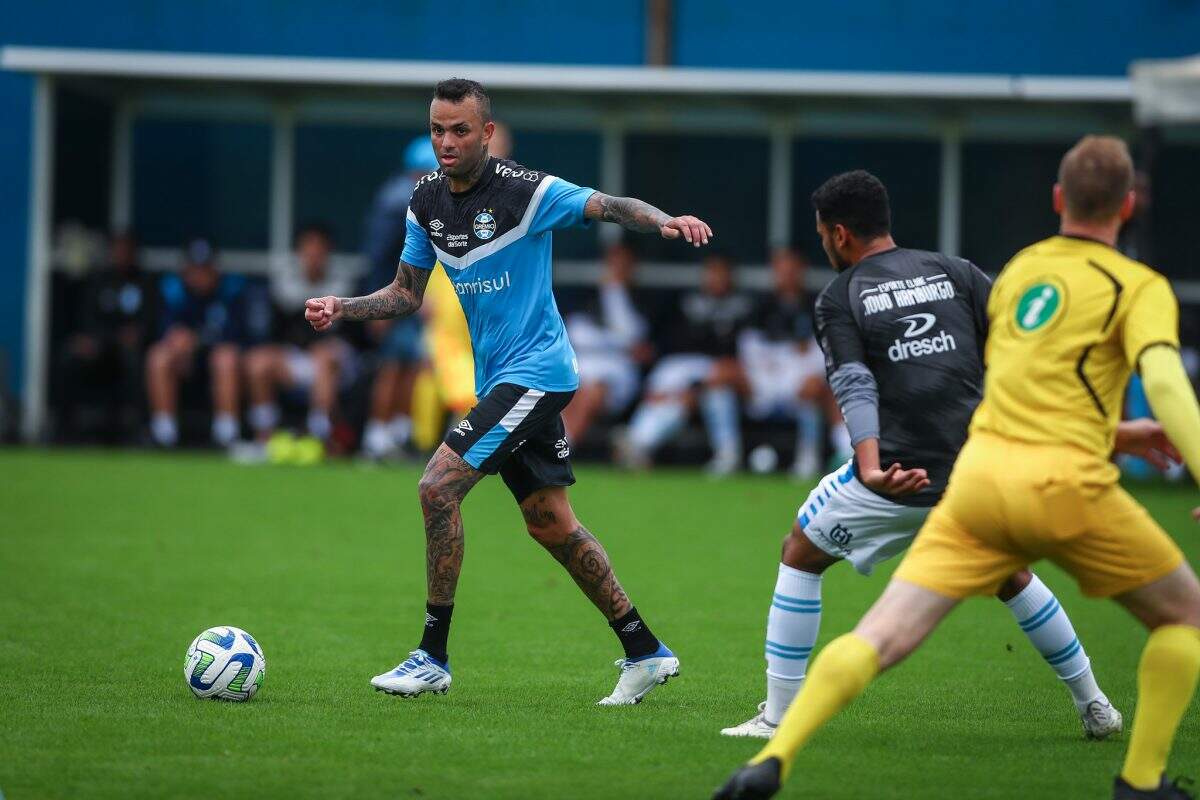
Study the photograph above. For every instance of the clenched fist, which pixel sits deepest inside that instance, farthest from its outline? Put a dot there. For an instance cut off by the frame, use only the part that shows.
(322, 312)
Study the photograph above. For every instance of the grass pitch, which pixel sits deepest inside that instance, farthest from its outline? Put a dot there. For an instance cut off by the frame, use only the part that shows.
(111, 562)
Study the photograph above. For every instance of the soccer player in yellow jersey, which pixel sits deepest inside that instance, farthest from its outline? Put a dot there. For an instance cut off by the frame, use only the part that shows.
(1070, 319)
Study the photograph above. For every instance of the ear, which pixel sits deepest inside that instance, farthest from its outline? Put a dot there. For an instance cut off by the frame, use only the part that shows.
(489, 128)
(841, 235)
(1059, 203)
(1128, 206)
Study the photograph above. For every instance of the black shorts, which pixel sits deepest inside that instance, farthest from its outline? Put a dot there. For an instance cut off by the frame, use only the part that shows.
(519, 433)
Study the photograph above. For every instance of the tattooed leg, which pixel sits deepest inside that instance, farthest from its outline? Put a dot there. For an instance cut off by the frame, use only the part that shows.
(550, 521)
(446, 481)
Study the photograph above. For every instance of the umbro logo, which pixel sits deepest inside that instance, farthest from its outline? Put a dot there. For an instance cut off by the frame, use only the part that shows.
(464, 427)
(631, 627)
(430, 620)
(437, 225)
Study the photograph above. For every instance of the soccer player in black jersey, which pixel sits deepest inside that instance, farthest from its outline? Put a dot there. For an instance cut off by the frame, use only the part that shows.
(489, 222)
(903, 333)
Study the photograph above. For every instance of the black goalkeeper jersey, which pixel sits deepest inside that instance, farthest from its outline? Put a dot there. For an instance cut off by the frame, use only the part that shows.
(918, 321)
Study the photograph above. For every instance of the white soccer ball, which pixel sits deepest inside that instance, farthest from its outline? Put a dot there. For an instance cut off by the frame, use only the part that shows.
(224, 663)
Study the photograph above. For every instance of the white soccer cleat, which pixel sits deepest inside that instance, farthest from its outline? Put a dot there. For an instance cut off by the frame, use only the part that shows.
(640, 676)
(1100, 719)
(417, 674)
(756, 727)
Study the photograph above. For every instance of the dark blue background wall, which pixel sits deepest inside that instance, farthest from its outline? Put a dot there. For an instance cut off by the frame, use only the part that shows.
(1061, 37)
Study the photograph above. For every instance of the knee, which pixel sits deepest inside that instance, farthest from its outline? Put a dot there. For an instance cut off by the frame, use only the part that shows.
(1014, 585)
(436, 495)
(798, 552)
(548, 533)
(258, 365)
(813, 390)
(224, 360)
(325, 360)
(158, 358)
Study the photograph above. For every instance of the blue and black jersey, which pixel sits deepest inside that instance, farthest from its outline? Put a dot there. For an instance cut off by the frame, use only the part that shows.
(495, 242)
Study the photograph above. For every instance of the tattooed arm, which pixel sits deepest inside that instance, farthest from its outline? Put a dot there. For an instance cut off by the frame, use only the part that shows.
(638, 215)
(399, 298)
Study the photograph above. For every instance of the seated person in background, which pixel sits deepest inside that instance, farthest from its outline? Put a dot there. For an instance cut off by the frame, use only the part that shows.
(703, 368)
(117, 320)
(203, 323)
(610, 343)
(400, 351)
(785, 368)
(298, 358)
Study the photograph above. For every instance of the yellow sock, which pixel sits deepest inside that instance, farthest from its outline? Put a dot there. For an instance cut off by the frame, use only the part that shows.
(1166, 680)
(839, 674)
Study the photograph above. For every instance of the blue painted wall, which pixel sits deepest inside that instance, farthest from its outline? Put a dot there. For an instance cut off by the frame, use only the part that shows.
(1058, 37)
(16, 105)
(468, 30)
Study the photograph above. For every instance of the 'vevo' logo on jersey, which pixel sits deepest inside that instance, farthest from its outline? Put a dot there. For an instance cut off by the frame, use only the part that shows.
(1037, 306)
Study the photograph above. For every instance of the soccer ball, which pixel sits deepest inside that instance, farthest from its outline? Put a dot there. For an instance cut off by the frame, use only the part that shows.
(224, 663)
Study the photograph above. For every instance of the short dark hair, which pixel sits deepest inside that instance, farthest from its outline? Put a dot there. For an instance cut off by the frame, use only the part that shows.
(1096, 176)
(858, 200)
(313, 228)
(455, 90)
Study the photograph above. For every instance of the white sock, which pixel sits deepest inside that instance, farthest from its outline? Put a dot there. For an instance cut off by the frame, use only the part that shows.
(1050, 632)
(319, 424)
(720, 409)
(377, 438)
(401, 428)
(839, 439)
(224, 429)
(164, 430)
(654, 423)
(792, 627)
(264, 417)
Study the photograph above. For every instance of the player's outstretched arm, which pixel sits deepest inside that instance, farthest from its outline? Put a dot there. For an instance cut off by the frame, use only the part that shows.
(399, 298)
(638, 215)
(1174, 403)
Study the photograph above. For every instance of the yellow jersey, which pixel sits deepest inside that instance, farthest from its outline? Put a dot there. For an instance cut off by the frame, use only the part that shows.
(445, 314)
(1068, 319)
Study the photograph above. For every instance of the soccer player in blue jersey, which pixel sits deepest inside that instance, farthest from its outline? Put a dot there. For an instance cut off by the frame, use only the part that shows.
(489, 222)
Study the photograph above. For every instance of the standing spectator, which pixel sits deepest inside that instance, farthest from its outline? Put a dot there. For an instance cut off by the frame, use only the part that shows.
(298, 358)
(400, 349)
(784, 366)
(703, 368)
(610, 343)
(117, 319)
(203, 324)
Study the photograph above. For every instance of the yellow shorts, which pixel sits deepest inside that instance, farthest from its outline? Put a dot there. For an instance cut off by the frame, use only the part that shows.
(1010, 504)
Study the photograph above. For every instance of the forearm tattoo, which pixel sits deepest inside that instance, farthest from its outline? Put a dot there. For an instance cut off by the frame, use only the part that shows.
(399, 298)
(588, 564)
(446, 481)
(628, 212)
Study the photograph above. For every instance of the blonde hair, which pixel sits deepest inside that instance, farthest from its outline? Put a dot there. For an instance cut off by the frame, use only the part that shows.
(1096, 175)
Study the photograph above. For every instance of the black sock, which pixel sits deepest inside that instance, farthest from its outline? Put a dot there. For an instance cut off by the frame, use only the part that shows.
(635, 637)
(437, 631)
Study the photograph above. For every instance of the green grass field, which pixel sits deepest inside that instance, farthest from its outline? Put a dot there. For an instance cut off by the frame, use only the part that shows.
(111, 562)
